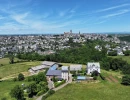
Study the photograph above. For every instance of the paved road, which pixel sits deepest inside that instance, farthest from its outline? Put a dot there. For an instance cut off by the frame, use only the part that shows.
(56, 89)
(40, 97)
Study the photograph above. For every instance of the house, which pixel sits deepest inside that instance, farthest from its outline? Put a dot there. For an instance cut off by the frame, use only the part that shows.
(65, 73)
(93, 66)
(119, 52)
(75, 67)
(54, 73)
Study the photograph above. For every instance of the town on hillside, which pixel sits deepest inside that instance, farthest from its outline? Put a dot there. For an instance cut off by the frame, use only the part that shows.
(49, 44)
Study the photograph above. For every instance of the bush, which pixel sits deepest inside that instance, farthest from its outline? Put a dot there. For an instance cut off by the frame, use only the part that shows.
(40, 92)
(95, 77)
(60, 83)
(20, 77)
(125, 80)
(51, 92)
(48, 94)
(14, 79)
(94, 73)
(17, 93)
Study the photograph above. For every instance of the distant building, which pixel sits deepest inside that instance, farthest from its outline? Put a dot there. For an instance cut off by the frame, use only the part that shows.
(75, 67)
(71, 31)
(93, 66)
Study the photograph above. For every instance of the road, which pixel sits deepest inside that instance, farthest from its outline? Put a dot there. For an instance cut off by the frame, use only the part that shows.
(56, 89)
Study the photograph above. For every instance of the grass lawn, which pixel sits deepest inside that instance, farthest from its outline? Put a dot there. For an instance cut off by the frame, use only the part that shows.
(6, 60)
(6, 86)
(14, 69)
(92, 91)
(104, 90)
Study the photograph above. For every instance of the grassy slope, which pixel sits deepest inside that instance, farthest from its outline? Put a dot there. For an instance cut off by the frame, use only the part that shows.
(126, 58)
(92, 91)
(5, 88)
(103, 90)
(6, 60)
(14, 69)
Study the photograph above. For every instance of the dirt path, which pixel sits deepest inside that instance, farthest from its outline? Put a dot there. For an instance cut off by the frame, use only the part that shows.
(108, 79)
(113, 79)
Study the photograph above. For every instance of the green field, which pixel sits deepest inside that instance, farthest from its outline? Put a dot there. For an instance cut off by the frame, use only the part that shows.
(92, 91)
(6, 60)
(10, 70)
(102, 90)
(6, 86)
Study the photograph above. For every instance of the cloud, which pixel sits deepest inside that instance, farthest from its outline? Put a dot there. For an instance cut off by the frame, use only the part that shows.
(100, 22)
(63, 13)
(114, 7)
(116, 14)
(20, 18)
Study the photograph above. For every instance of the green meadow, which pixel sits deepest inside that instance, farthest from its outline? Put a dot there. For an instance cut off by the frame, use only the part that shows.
(92, 91)
(6, 86)
(11, 70)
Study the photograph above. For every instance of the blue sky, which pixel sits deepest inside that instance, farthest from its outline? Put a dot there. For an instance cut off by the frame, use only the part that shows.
(57, 16)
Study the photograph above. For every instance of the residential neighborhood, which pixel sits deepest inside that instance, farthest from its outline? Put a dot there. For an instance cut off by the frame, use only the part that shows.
(49, 44)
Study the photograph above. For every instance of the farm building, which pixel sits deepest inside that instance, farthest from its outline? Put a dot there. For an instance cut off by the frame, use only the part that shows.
(44, 65)
(51, 73)
(93, 66)
(65, 72)
(75, 67)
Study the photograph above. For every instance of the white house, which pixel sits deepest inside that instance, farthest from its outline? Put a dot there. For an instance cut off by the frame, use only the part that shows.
(92, 66)
(65, 73)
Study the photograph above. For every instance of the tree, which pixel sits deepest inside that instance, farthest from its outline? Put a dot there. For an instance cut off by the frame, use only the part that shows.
(17, 93)
(20, 77)
(127, 53)
(32, 89)
(40, 77)
(94, 73)
(11, 57)
(54, 79)
(125, 80)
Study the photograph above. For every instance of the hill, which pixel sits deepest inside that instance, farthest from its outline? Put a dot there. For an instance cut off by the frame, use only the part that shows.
(11, 70)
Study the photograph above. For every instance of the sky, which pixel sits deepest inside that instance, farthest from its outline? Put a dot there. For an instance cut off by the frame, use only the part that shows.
(59, 16)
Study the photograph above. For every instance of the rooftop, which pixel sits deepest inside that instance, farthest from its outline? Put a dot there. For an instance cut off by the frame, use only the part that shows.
(64, 68)
(53, 73)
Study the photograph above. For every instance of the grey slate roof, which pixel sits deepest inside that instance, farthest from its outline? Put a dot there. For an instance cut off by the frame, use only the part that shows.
(38, 67)
(75, 67)
(48, 63)
(53, 73)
